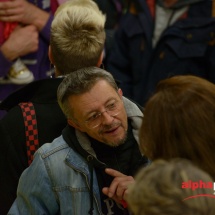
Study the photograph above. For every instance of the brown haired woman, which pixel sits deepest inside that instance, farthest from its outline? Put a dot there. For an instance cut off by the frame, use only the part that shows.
(179, 121)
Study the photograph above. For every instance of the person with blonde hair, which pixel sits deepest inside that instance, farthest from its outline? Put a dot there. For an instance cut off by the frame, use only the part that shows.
(179, 121)
(77, 36)
(160, 189)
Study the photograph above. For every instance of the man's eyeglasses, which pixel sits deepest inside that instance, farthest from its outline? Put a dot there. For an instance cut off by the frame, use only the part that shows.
(113, 109)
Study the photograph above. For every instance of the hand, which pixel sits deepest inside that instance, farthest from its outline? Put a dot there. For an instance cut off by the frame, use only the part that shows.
(22, 40)
(118, 188)
(23, 12)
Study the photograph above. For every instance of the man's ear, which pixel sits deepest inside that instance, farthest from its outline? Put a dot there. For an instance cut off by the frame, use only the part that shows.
(50, 55)
(120, 92)
(75, 125)
(99, 63)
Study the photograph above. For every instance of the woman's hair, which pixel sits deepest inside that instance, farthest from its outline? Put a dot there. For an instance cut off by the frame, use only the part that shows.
(77, 35)
(80, 82)
(163, 188)
(179, 121)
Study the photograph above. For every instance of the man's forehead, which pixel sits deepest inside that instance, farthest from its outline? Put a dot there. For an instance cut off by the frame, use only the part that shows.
(100, 94)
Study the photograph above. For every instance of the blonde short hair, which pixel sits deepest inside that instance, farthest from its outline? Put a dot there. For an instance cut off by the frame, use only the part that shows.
(77, 35)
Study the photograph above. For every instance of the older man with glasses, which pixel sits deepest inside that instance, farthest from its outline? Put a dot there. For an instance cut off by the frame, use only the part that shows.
(88, 168)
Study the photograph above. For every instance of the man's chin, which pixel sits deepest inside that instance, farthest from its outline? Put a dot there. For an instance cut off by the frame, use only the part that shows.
(116, 143)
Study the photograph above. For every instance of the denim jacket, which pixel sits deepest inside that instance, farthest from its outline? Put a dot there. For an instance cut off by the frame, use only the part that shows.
(58, 180)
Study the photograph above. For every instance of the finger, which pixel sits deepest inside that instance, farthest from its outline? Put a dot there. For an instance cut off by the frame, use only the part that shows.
(10, 11)
(123, 184)
(113, 172)
(7, 4)
(120, 191)
(4, 5)
(105, 190)
(114, 197)
(12, 18)
(115, 186)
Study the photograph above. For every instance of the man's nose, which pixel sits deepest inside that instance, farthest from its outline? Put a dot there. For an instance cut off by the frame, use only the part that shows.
(107, 118)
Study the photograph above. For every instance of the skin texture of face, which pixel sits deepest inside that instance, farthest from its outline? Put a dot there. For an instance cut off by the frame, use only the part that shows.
(113, 130)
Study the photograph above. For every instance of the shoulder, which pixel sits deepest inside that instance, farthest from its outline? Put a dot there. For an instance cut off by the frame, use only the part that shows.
(56, 154)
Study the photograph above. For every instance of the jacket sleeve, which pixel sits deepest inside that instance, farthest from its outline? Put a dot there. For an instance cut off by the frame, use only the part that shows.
(34, 193)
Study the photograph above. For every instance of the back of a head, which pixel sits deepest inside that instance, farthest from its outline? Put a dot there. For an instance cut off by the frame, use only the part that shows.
(179, 121)
(77, 35)
(159, 190)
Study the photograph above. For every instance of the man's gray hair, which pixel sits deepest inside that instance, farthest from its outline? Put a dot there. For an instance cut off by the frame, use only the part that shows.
(80, 82)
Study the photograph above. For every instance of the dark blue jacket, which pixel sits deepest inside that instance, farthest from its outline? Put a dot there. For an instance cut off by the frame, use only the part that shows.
(186, 47)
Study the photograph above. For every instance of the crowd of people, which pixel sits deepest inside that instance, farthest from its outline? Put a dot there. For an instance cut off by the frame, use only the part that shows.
(107, 104)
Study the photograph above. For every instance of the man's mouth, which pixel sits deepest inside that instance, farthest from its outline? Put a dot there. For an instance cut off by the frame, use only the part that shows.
(112, 130)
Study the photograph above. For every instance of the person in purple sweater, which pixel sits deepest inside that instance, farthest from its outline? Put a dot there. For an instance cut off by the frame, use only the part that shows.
(24, 54)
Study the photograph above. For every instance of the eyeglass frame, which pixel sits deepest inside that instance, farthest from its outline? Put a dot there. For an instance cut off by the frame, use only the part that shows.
(99, 115)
